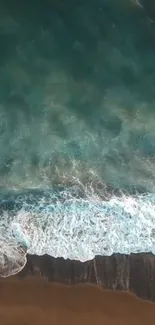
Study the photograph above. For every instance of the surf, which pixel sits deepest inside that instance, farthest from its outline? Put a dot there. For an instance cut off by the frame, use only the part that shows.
(64, 223)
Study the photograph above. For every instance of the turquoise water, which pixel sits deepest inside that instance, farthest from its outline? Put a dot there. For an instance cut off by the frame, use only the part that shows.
(77, 93)
(77, 108)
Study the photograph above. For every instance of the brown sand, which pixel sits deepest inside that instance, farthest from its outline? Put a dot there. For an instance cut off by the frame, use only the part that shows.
(36, 302)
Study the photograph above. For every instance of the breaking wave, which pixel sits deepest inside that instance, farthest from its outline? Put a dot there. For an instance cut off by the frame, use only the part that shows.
(66, 223)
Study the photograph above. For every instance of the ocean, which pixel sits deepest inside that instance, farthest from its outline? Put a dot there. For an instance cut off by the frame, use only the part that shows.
(77, 129)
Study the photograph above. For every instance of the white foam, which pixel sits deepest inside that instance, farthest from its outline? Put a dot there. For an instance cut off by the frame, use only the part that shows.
(12, 254)
(79, 228)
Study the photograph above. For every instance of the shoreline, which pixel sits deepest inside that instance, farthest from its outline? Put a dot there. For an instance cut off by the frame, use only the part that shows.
(133, 273)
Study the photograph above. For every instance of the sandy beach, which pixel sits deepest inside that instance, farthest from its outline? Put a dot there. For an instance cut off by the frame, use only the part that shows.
(35, 301)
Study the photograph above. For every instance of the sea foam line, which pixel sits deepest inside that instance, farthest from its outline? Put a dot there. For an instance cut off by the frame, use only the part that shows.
(66, 226)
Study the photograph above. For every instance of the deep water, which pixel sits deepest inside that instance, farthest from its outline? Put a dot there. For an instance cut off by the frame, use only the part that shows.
(77, 107)
(77, 93)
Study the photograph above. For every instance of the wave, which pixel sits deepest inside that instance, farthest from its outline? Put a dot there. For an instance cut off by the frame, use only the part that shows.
(64, 223)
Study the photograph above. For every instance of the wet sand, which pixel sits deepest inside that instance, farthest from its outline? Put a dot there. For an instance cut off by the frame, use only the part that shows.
(34, 301)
